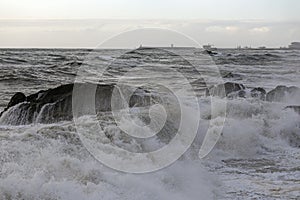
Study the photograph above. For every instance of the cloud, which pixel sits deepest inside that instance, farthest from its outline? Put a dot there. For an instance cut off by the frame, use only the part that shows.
(224, 29)
(260, 30)
(91, 32)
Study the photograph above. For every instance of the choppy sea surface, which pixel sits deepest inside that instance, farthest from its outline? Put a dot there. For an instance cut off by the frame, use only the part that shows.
(256, 157)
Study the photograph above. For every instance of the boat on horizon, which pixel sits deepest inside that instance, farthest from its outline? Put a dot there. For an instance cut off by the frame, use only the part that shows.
(209, 47)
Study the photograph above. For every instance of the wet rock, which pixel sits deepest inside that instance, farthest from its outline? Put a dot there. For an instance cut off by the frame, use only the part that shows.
(294, 108)
(242, 94)
(258, 93)
(233, 87)
(226, 89)
(282, 93)
(19, 97)
(53, 105)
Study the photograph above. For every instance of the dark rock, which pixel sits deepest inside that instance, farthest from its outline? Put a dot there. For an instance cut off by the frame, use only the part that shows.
(242, 94)
(19, 97)
(233, 87)
(294, 108)
(16, 99)
(281, 93)
(53, 105)
(258, 93)
(223, 90)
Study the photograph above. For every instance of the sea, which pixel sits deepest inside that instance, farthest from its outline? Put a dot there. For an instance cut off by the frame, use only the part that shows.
(257, 154)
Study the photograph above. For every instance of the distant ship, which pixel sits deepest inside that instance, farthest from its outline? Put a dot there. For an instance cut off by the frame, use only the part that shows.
(294, 45)
(209, 47)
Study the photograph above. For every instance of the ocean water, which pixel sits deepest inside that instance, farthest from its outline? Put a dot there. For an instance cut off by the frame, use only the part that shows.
(256, 157)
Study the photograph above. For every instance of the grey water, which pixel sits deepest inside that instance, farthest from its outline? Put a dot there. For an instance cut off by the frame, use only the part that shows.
(257, 156)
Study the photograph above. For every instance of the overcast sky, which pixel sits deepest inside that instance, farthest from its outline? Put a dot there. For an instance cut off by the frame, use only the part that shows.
(78, 23)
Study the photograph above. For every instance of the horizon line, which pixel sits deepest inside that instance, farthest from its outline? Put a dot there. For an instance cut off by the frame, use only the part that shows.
(91, 48)
(163, 19)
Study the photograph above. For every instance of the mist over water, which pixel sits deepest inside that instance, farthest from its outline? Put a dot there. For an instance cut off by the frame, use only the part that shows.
(257, 155)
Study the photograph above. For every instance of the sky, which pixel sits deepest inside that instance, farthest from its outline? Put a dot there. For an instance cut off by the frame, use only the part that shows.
(79, 23)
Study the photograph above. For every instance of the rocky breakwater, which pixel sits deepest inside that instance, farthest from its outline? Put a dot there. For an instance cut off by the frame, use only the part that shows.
(234, 90)
(55, 104)
(288, 96)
